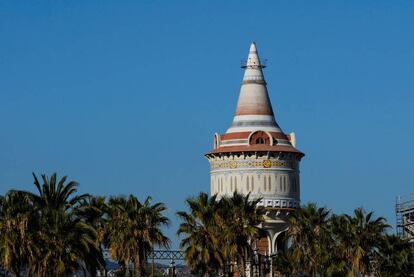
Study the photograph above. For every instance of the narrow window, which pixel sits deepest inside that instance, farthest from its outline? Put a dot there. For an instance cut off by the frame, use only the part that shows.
(269, 183)
(280, 183)
(247, 183)
(296, 184)
(219, 183)
(293, 185)
(235, 182)
(259, 141)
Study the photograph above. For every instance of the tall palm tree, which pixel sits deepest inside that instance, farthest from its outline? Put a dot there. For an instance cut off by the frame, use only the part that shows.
(17, 243)
(54, 195)
(395, 258)
(219, 232)
(309, 232)
(341, 251)
(134, 229)
(359, 237)
(241, 218)
(58, 239)
(201, 241)
(95, 211)
(287, 262)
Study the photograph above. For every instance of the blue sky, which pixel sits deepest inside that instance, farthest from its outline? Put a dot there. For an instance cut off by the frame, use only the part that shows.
(125, 96)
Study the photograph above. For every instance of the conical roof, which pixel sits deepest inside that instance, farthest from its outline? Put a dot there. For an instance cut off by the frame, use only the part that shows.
(254, 110)
(253, 99)
(254, 127)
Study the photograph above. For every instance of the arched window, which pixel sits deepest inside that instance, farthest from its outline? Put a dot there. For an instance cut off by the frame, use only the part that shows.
(252, 186)
(259, 137)
(216, 141)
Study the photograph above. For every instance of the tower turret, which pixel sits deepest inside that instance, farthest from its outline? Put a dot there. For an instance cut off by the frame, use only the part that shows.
(255, 156)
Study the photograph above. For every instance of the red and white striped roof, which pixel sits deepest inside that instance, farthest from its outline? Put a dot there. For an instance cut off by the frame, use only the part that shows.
(254, 114)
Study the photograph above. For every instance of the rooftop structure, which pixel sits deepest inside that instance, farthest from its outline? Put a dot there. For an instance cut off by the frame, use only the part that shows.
(404, 209)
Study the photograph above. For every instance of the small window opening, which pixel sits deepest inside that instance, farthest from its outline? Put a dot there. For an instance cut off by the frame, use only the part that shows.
(259, 141)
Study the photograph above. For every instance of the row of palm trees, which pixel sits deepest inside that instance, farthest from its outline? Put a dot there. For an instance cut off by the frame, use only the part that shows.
(326, 244)
(221, 232)
(56, 231)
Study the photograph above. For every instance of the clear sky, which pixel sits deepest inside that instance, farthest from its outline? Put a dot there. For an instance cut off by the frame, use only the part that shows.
(125, 96)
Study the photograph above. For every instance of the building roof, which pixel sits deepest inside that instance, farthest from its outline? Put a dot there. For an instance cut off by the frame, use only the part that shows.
(254, 113)
(254, 110)
(253, 99)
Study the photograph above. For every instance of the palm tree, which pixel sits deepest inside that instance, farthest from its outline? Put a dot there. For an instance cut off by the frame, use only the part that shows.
(309, 232)
(219, 232)
(341, 251)
(287, 263)
(241, 218)
(201, 242)
(133, 229)
(395, 258)
(17, 243)
(358, 238)
(95, 211)
(56, 196)
(65, 239)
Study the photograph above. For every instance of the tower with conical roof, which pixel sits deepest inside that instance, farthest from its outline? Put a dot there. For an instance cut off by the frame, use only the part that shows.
(255, 156)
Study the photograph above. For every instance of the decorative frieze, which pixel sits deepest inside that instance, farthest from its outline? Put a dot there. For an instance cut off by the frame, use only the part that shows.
(254, 163)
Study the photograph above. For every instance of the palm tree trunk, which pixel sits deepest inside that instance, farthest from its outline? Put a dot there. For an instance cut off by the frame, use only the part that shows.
(242, 271)
(84, 271)
(137, 266)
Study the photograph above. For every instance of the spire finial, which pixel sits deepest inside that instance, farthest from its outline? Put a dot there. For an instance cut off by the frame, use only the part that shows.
(253, 60)
(253, 47)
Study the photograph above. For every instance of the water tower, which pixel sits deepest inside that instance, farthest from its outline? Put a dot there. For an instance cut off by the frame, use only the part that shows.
(255, 156)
